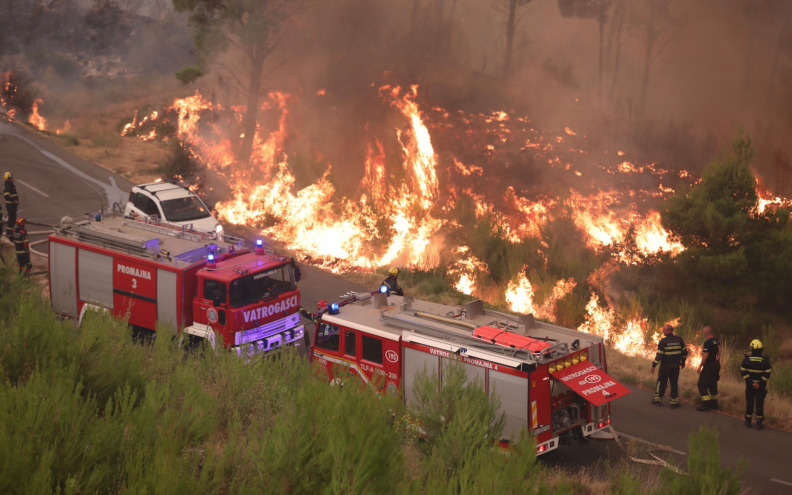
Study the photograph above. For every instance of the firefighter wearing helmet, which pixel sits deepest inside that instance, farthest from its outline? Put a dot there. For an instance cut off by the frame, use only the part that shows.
(321, 307)
(22, 246)
(755, 371)
(671, 356)
(392, 282)
(12, 203)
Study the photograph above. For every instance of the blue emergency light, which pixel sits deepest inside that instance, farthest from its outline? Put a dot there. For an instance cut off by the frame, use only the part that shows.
(259, 246)
(334, 309)
(210, 257)
(384, 289)
(259, 242)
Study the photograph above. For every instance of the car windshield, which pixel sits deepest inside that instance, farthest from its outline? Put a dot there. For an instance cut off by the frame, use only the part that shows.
(184, 209)
(259, 286)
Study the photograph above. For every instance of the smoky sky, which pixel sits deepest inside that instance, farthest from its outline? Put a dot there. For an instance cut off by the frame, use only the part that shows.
(716, 66)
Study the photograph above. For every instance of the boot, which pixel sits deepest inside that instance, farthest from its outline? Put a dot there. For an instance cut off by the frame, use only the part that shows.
(657, 402)
(748, 422)
(704, 406)
(713, 404)
(759, 424)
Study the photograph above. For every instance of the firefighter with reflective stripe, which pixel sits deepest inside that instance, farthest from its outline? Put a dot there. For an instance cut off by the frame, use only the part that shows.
(22, 246)
(671, 356)
(755, 371)
(709, 371)
(393, 283)
(12, 202)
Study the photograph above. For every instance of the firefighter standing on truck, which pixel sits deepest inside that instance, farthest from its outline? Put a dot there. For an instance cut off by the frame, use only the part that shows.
(12, 203)
(393, 283)
(709, 371)
(671, 356)
(755, 371)
(321, 307)
(22, 247)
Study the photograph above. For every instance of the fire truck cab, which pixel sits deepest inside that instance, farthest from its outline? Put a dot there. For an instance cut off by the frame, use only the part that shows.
(549, 379)
(165, 276)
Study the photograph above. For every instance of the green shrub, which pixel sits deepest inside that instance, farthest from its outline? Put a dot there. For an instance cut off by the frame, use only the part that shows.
(781, 378)
(705, 475)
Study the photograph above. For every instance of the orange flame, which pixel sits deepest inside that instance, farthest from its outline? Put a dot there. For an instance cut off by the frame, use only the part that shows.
(398, 214)
(465, 271)
(36, 120)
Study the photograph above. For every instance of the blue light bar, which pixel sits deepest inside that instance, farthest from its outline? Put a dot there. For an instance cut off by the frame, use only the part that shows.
(384, 289)
(334, 309)
(210, 257)
(259, 242)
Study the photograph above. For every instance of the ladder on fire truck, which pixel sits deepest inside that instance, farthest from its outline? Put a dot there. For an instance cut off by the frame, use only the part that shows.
(458, 330)
(152, 224)
(110, 240)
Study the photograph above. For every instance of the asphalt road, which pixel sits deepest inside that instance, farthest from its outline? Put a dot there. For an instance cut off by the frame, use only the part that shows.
(53, 183)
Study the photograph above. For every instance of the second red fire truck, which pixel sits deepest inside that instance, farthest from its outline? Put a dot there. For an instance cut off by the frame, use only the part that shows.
(549, 379)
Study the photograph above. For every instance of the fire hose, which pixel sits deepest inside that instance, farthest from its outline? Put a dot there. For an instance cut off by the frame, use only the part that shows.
(656, 460)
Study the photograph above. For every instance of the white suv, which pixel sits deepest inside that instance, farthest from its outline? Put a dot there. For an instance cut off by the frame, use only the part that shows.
(172, 203)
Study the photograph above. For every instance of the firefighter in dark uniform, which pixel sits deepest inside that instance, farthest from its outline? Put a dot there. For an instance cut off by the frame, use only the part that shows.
(321, 307)
(22, 247)
(709, 371)
(12, 202)
(393, 282)
(671, 356)
(755, 371)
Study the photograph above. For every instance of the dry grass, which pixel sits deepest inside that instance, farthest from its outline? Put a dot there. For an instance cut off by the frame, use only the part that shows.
(135, 160)
(731, 388)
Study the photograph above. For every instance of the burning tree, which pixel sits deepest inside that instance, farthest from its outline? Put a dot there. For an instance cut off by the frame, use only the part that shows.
(735, 249)
(252, 30)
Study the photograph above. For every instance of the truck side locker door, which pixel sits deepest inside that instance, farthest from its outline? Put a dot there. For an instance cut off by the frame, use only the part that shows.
(415, 363)
(540, 415)
(135, 285)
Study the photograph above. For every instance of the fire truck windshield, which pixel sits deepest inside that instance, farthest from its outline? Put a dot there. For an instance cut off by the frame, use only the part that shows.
(259, 286)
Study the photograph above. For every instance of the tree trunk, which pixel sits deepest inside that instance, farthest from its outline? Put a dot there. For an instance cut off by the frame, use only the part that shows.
(782, 26)
(250, 120)
(439, 25)
(449, 28)
(510, 29)
(601, 19)
(745, 87)
(620, 14)
(651, 39)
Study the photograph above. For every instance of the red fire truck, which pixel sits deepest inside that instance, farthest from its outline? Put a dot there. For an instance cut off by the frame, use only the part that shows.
(549, 379)
(163, 276)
